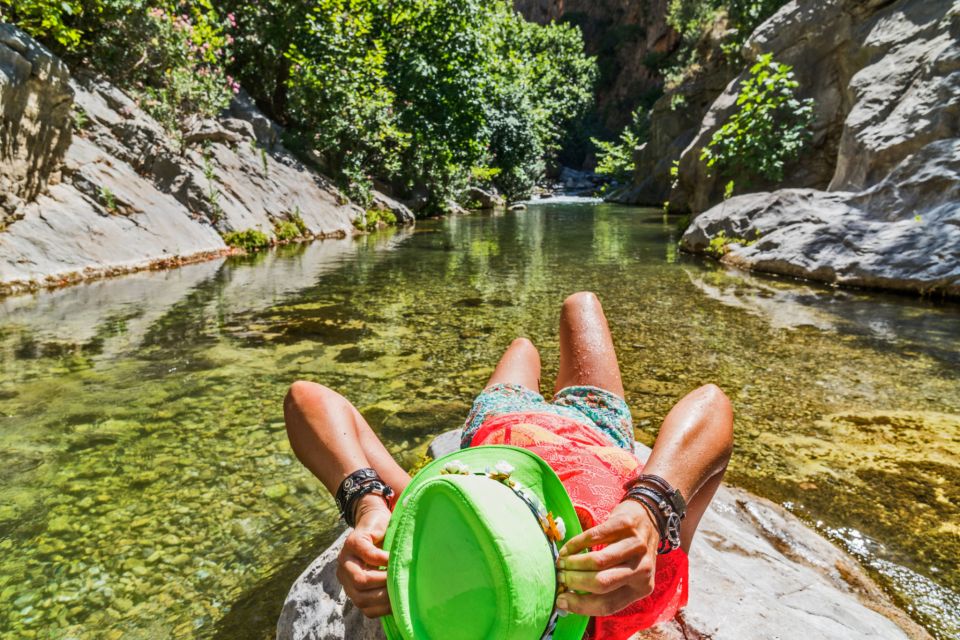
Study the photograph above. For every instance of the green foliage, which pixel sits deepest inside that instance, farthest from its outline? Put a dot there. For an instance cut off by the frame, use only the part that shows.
(615, 159)
(46, 19)
(427, 90)
(108, 199)
(720, 244)
(414, 93)
(691, 19)
(374, 219)
(290, 229)
(249, 240)
(770, 126)
(285, 231)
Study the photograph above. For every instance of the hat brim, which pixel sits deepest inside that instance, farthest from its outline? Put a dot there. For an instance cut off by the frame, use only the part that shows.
(534, 473)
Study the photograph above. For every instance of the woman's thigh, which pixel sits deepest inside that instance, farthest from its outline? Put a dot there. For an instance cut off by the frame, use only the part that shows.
(587, 355)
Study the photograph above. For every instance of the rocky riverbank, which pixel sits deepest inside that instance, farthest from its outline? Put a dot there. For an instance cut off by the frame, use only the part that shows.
(875, 199)
(756, 573)
(93, 186)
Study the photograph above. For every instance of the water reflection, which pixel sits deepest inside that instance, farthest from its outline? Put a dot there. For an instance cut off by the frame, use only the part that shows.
(147, 490)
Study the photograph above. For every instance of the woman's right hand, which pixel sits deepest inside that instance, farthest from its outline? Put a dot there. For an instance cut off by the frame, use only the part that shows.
(358, 566)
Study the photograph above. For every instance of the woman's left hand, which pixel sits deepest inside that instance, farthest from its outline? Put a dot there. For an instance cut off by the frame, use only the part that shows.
(617, 575)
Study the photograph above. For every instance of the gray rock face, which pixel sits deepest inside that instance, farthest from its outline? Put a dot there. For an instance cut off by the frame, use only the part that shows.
(130, 196)
(756, 573)
(882, 207)
(884, 79)
(35, 102)
(484, 199)
(902, 234)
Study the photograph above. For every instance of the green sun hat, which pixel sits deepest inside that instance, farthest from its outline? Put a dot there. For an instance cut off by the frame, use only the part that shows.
(470, 553)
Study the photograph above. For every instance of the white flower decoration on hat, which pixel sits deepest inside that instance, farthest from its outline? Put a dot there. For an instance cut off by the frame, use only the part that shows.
(455, 467)
(561, 527)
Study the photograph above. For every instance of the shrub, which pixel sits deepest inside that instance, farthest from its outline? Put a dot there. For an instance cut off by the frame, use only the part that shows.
(769, 127)
(374, 219)
(615, 159)
(249, 240)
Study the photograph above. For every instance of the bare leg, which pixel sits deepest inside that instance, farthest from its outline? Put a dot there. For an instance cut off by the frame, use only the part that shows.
(587, 356)
(696, 434)
(332, 439)
(520, 364)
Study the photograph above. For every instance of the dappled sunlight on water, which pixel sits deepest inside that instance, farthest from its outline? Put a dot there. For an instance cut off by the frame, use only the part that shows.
(147, 488)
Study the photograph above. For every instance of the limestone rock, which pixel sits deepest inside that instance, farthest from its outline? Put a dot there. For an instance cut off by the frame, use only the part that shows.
(756, 573)
(903, 233)
(131, 195)
(483, 199)
(383, 202)
(35, 124)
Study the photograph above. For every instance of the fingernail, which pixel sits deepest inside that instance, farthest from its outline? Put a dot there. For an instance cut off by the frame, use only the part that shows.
(561, 563)
(562, 602)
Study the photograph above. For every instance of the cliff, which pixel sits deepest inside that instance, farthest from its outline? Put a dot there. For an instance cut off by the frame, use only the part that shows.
(625, 36)
(882, 203)
(874, 200)
(94, 186)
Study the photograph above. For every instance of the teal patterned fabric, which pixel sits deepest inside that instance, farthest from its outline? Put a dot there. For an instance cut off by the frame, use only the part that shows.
(597, 408)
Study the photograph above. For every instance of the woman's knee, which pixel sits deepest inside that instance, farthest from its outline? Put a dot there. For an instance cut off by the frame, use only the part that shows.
(719, 411)
(580, 300)
(303, 394)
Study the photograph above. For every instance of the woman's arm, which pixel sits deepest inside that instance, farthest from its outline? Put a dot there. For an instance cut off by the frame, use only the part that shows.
(332, 440)
(691, 453)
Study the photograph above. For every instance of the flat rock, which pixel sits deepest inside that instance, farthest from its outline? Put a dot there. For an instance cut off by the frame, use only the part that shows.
(902, 234)
(757, 572)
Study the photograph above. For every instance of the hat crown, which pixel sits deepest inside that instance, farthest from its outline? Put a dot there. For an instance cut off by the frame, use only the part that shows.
(478, 567)
(468, 557)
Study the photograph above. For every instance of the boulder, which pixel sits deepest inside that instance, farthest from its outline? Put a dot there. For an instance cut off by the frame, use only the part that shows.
(757, 573)
(383, 202)
(902, 234)
(481, 199)
(35, 124)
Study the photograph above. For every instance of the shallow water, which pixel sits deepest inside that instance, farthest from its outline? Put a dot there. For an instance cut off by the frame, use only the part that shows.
(147, 489)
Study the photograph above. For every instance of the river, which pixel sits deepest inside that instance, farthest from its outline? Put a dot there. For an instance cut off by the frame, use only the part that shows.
(147, 489)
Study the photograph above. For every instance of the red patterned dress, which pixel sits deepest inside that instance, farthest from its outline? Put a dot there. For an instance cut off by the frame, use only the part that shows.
(593, 471)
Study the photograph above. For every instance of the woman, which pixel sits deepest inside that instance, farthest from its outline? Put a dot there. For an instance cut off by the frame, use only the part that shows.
(586, 435)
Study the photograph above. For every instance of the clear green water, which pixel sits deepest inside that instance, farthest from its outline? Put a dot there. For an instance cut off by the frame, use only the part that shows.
(147, 489)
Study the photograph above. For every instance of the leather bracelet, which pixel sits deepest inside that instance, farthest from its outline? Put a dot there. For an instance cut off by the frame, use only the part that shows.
(651, 506)
(671, 495)
(354, 487)
(668, 521)
(372, 487)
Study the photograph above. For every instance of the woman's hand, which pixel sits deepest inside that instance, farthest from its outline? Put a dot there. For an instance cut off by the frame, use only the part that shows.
(358, 566)
(617, 575)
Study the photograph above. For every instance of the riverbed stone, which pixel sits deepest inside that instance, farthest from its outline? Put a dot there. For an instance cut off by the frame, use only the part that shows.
(757, 572)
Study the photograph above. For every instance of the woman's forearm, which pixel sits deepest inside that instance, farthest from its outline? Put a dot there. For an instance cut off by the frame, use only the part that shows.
(695, 440)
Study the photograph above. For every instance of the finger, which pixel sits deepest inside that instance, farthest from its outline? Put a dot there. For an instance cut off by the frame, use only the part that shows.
(376, 612)
(370, 553)
(371, 599)
(595, 605)
(609, 531)
(605, 581)
(619, 552)
(361, 578)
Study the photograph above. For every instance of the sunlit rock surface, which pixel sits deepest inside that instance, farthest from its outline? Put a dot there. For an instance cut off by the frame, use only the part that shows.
(756, 573)
(35, 100)
(130, 197)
